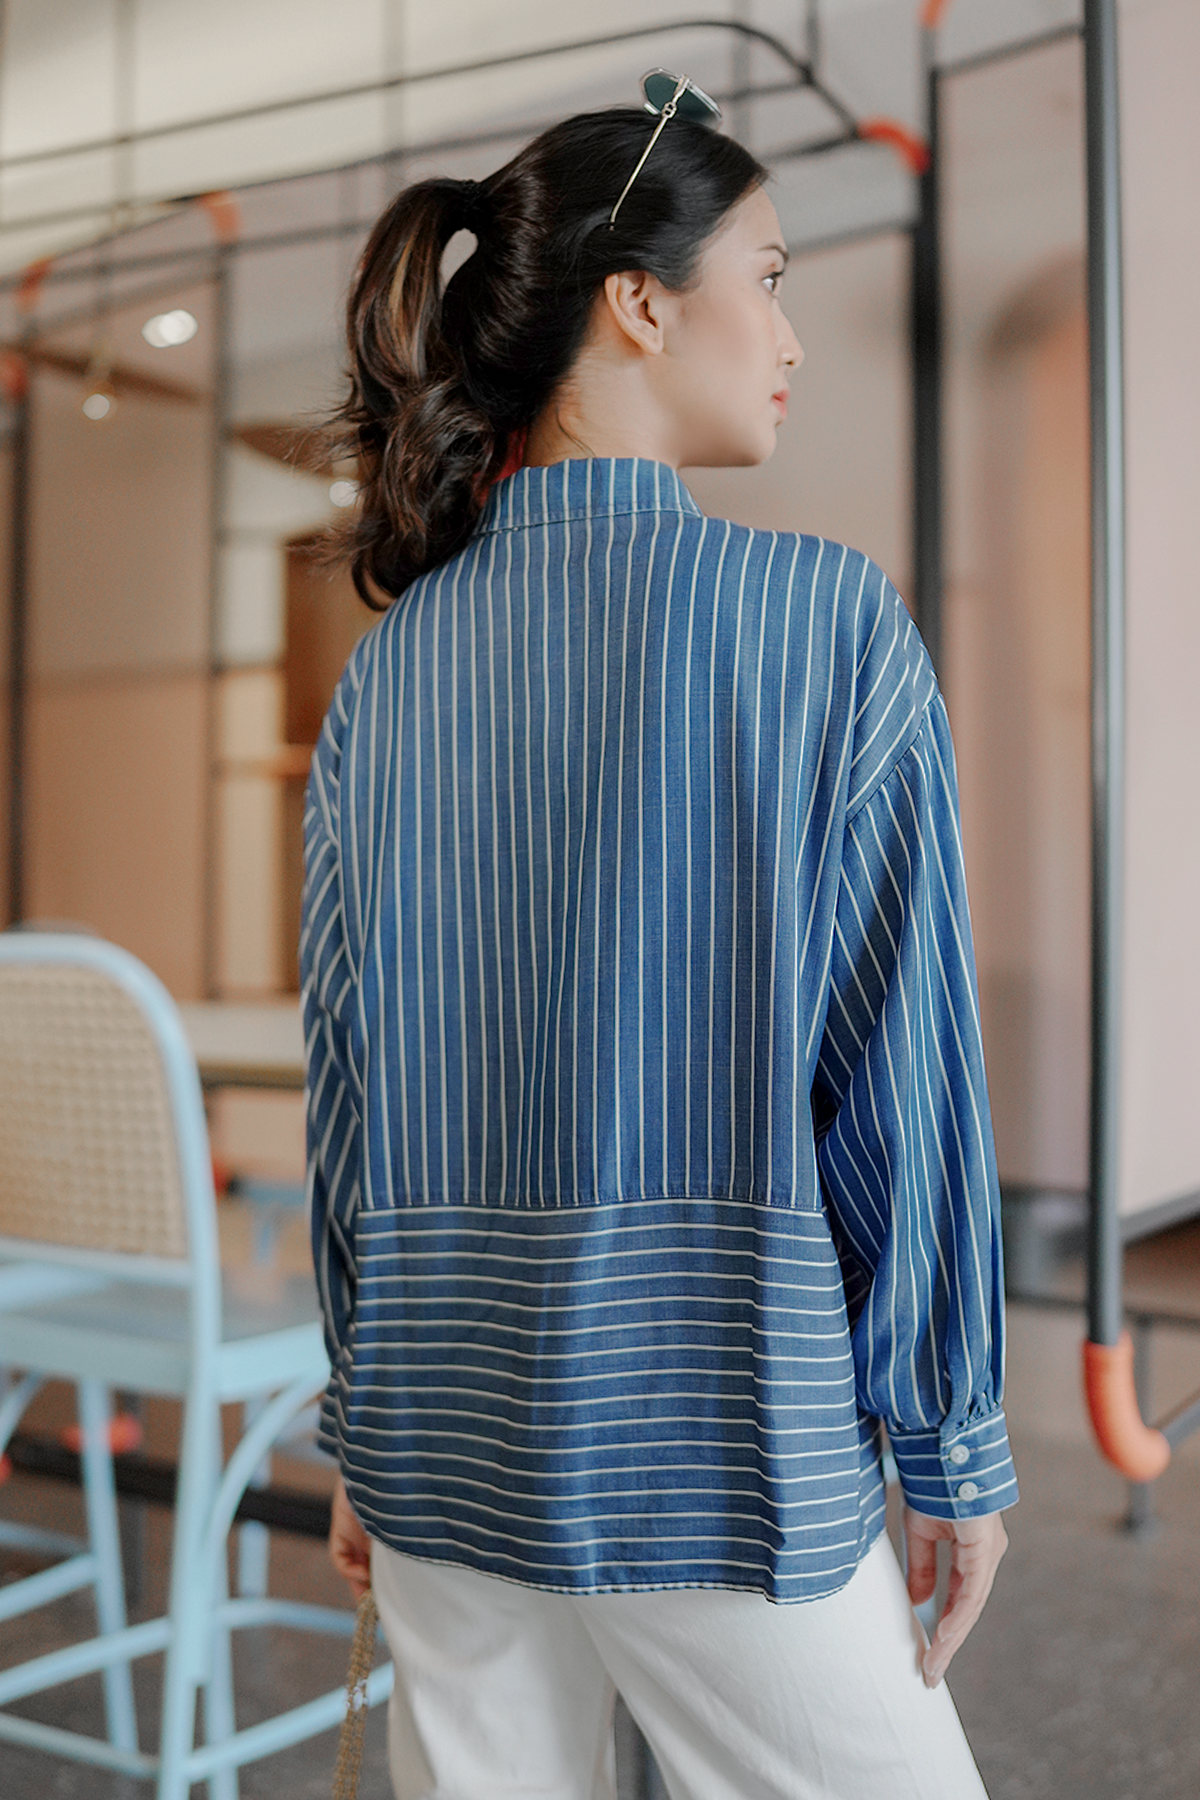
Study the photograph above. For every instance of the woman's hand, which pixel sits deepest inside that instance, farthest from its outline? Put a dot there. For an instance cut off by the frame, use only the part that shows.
(976, 1546)
(349, 1545)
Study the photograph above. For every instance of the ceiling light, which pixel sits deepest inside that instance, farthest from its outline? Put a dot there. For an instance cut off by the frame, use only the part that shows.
(165, 330)
(99, 396)
(343, 493)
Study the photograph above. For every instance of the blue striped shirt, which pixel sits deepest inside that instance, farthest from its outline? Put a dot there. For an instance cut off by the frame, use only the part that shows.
(649, 1148)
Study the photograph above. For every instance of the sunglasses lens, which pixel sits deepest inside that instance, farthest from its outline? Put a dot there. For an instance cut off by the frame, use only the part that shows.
(658, 87)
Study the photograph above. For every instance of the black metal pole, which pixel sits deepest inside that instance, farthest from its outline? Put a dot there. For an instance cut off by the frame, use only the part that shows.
(925, 330)
(151, 1478)
(18, 642)
(1105, 354)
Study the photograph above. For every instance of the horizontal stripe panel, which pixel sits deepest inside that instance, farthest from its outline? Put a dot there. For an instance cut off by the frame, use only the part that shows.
(605, 1449)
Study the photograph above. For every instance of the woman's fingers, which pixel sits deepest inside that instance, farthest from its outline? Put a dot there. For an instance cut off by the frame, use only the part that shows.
(349, 1545)
(922, 1563)
(975, 1554)
(976, 1546)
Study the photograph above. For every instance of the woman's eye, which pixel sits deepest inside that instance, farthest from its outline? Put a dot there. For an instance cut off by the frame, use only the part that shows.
(773, 280)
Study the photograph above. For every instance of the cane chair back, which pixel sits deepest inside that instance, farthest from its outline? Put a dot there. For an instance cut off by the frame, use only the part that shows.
(88, 1155)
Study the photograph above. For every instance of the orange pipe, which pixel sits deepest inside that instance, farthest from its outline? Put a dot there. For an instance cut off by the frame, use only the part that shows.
(912, 150)
(14, 375)
(124, 1433)
(30, 286)
(933, 12)
(224, 213)
(1138, 1450)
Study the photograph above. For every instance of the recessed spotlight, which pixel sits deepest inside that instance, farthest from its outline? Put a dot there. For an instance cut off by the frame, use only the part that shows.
(343, 493)
(99, 403)
(165, 330)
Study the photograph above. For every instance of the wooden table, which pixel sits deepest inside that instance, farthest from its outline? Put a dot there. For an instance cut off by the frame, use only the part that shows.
(255, 1045)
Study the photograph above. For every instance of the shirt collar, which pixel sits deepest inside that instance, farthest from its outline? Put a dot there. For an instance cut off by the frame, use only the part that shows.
(584, 488)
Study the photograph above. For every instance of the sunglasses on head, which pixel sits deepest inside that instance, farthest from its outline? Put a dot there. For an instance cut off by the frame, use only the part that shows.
(668, 95)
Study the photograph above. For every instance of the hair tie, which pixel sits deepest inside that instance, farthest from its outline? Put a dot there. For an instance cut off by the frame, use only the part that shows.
(476, 206)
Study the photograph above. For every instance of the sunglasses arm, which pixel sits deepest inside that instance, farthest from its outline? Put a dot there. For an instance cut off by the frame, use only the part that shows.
(668, 112)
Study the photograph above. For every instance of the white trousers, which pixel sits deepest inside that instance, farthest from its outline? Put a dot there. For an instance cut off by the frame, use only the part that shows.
(505, 1691)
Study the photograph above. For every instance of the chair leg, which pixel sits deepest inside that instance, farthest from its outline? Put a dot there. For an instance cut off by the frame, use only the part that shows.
(190, 1600)
(178, 1723)
(253, 1539)
(105, 1537)
(219, 1720)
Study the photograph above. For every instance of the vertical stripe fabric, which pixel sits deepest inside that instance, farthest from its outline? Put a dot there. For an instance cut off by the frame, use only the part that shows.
(650, 1160)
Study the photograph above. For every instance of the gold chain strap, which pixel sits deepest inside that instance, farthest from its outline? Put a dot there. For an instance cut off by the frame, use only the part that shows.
(350, 1743)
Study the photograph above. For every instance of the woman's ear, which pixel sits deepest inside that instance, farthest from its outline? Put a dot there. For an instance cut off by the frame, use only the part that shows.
(636, 307)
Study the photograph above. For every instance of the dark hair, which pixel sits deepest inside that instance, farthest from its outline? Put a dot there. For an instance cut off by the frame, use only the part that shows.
(440, 381)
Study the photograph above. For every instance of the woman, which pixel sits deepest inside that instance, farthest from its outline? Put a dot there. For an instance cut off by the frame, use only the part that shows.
(650, 1155)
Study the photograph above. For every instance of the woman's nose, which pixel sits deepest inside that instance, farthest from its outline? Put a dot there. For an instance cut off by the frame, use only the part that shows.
(793, 352)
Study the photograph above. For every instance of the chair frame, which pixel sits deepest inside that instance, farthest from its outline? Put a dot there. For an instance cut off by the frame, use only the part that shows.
(277, 1373)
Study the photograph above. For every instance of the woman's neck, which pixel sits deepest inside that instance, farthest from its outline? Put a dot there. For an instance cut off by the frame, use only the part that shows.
(607, 408)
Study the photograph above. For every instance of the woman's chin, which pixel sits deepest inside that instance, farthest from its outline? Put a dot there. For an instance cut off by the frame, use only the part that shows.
(762, 452)
(745, 452)
(760, 449)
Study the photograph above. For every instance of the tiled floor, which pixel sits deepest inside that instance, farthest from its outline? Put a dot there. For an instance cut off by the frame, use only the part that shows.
(272, 1669)
(1082, 1682)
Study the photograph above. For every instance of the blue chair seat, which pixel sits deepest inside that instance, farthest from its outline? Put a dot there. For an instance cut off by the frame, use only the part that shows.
(138, 1337)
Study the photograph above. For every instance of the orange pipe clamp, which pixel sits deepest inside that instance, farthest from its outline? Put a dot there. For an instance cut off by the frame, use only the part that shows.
(124, 1433)
(1138, 1450)
(225, 215)
(30, 286)
(912, 150)
(14, 375)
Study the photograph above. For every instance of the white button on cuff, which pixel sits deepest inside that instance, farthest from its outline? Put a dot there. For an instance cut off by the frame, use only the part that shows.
(968, 1490)
(959, 1453)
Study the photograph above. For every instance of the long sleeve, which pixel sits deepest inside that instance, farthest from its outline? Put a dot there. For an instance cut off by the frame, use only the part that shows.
(333, 1107)
(904, 1141)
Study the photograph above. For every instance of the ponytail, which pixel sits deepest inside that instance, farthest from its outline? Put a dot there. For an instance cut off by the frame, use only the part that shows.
(444, 382)
(422, 441)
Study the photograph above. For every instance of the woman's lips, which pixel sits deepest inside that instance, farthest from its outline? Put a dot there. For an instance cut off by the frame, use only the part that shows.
(781, 400)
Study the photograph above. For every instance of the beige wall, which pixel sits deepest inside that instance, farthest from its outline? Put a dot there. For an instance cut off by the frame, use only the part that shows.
(258, 1133)
(1160, 69)
(1015, 651)
(119, 534)
(1017, 672)
(5, 553)
(249, 800)
(117, 739)
(115, 826)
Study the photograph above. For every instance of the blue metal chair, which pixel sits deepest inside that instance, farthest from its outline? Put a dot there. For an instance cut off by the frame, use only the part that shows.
(110, 1279)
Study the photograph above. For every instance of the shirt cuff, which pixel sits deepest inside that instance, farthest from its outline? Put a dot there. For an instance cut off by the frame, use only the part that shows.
(961, 1471)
